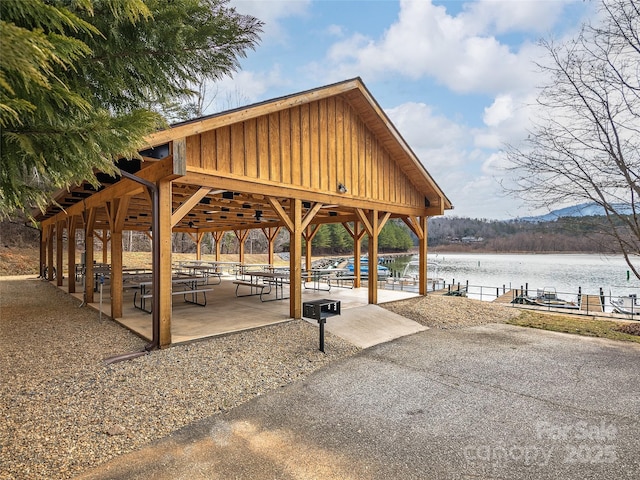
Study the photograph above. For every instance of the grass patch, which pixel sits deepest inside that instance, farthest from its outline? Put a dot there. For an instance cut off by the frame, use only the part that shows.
(576, 325)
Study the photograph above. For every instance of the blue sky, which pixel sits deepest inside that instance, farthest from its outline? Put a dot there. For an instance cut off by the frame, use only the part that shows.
(457, 78)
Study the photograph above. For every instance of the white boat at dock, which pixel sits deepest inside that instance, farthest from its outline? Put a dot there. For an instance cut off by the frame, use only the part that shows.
(546, 297)
(411, 275)
(629, 305)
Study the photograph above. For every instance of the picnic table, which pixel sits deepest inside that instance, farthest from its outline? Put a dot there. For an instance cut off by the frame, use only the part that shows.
(244, 269)
(322, 278)
(189, 287)
(205, 270)
(261, 283)
(230, 266)
(315, 277)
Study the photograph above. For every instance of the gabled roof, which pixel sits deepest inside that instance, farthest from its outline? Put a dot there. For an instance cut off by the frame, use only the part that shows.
(355, 93)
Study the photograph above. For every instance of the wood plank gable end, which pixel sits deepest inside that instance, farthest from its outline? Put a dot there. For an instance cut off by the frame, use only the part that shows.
(314, 140)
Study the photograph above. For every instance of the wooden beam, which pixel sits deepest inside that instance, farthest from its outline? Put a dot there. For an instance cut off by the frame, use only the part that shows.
(310, 214)
(238, 183)
(414, 225)
(160, 170)
(282, 214)
(186, 206)
(365, 221)
(383, 220)
(179, 151)
(121, 214)
(310, 232)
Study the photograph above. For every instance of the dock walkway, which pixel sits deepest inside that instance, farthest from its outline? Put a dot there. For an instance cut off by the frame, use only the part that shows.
(591, 303)
(506, 297)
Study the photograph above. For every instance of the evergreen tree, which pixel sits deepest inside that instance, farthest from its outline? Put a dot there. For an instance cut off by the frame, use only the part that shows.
(321, 241)
(340, 239)
(83, 81)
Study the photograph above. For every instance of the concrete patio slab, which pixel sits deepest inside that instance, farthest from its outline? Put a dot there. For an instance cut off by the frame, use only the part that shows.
(370, 325)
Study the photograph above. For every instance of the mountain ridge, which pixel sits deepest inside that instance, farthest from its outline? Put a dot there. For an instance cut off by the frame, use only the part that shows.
(590, 209)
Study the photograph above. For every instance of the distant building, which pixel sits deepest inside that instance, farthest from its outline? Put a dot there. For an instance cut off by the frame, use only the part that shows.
(472, 239)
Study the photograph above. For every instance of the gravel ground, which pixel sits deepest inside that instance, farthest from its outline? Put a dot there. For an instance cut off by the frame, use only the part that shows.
(65, 411)
(438, 311)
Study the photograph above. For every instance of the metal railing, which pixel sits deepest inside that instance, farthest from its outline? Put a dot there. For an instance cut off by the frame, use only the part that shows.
(576, 302)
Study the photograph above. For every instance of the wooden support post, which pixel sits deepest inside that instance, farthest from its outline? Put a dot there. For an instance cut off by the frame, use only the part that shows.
(242, 238)
(295, 259)
(373, 258)
(89, 221)
(357, 253)
(199, 237)
(59, 252)
(116, 274)
(418, 225)
(105, 246)
(164, 192)
(71, 250)
(373, 224)
(422, 245)
(116, 214)
(357, 233)
(50, 262)
(309, 234)
(43, 250)
(44, 246)
(271, 233)
(217, 236)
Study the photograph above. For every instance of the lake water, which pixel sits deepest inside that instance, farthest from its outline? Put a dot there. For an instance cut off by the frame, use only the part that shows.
(565, 273)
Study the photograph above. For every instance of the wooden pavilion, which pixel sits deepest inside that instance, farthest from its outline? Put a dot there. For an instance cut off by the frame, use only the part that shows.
(327, 155)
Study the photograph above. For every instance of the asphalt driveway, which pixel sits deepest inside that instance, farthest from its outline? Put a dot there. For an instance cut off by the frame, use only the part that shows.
(495, 401)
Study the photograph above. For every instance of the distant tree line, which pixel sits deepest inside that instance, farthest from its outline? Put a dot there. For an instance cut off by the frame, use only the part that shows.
(566, 234)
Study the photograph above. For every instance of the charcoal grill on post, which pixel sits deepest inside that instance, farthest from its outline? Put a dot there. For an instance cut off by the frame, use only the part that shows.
(319, 310)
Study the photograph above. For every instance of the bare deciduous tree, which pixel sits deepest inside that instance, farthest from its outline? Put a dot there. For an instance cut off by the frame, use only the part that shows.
(585, 146)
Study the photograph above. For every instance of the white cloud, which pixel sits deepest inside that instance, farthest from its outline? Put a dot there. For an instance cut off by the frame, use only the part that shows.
(467, 168)
(461, 52)
(271, 13)
(500, 16)
(245, 87)
(335, 30)
(423, 129)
